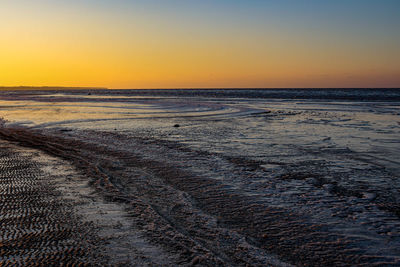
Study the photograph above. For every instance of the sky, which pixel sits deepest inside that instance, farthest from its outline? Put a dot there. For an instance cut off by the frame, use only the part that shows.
(200, 43)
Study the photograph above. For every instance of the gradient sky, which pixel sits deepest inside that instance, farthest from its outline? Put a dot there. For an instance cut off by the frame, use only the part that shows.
(200, 43)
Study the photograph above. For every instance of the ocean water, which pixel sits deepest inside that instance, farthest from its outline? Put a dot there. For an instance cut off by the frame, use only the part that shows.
(326, 158)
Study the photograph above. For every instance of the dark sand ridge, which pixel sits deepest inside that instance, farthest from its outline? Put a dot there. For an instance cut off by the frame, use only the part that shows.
(198, 219)
(46, 88)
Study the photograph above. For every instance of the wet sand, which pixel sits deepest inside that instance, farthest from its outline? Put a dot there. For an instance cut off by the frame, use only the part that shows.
(240, 182)
(175, 232)
(191, 218)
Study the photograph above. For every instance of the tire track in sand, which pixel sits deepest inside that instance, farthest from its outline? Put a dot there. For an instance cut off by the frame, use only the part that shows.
(36, 227)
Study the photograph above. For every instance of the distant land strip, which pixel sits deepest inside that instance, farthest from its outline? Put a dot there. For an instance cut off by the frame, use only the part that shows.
(13, 88)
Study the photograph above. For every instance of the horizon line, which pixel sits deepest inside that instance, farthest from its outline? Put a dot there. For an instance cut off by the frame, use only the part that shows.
(25, 87)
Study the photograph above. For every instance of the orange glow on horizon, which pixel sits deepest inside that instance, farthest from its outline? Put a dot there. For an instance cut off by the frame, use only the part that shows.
(42, 49)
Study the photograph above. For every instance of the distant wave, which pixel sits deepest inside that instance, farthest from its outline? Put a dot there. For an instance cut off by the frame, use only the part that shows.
(323, 94)
(348, 94)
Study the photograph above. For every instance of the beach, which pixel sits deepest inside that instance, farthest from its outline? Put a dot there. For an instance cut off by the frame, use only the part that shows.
(168, 178)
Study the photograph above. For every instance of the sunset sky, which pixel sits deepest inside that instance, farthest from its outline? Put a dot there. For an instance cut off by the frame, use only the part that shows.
(200, 43)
